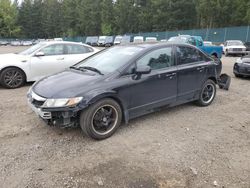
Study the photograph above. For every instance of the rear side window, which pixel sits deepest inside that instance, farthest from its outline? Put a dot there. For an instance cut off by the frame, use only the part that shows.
(76, 49)
(186, 55)
(158, 59)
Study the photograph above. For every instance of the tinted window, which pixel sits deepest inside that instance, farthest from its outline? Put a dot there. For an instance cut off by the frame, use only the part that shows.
(187, 55)
(56, 49)
(158, 59)
(76, 49)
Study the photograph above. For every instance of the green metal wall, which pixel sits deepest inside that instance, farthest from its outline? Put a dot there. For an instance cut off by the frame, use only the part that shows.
(215, 35)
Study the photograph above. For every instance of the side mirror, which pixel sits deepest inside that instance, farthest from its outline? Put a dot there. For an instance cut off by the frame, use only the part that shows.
(38, 54)
(145, 69)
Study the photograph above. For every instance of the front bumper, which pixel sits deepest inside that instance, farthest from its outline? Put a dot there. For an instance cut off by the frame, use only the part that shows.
(62, 117)
(237, 52)
(242, 69)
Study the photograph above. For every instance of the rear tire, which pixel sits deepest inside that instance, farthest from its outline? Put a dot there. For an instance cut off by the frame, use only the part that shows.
(101, 120)
(207, 94)
(12, 78)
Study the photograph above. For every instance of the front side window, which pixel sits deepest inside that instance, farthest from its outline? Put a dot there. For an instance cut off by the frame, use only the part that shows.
(56, 49)
(32, 49)
(186, 55)
(157, 59)
(76, 49)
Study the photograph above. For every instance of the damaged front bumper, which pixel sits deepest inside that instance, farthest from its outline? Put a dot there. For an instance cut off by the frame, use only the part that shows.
(224, 81)
(61, 116)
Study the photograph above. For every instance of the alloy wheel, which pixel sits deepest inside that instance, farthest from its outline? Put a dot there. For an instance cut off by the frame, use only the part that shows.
(208, 93)
(104, 119)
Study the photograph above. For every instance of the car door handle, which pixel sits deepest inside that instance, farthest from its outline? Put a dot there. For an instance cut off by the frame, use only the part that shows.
(170, 76)
(60, 58)
(200, 69)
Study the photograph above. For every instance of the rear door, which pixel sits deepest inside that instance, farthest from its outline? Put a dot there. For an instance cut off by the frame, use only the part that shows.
(76, 53)
(192, 67)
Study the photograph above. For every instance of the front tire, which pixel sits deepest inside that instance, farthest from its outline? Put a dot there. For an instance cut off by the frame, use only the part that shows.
(226, 53)
(12, 78)
(207, 93)
(101, 119)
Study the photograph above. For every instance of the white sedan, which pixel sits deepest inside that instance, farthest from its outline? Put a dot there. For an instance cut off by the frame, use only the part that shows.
(43, 59)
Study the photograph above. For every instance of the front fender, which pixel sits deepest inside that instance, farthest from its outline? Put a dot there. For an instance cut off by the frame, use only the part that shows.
(93, 97)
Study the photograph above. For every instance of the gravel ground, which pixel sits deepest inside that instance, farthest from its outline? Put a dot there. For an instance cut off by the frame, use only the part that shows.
(185, 146)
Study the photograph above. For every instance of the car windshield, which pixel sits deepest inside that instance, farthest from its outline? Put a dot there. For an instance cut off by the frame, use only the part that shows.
(32, 49)
(118, 39)
(102, 38)
(234, 43)
(111, 59)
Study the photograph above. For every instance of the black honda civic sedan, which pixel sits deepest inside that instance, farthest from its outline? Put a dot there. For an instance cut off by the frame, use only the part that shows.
(242, 66)
(124, 82)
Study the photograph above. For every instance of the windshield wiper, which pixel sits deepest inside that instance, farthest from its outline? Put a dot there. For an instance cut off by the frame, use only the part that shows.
(73, 67)
(92, 69)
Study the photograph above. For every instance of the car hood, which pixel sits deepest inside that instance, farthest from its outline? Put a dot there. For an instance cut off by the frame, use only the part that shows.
(12, 58)
(67, 84)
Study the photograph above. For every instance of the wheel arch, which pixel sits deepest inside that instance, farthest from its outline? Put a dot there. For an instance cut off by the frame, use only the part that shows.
(214, 54)
(213, 79)
(113, 96)
(25, 75)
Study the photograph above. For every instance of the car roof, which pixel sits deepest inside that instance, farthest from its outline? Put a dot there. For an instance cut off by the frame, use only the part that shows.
(63, 42)
(157, 44)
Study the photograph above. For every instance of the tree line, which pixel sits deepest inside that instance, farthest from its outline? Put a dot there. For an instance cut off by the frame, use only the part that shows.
(58, 18)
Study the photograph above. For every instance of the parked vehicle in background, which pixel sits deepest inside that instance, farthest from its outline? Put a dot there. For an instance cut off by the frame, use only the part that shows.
(118, 40)
(151, 39)
(234, 47)
(109, 41)
(58, 39)
(15, 43)
(164, 40)
(126, 39)
(4, 42)
(207, 43)
(122, 83)
(92, 41)
(27, 43)
(242, 66)
(247, 45)
(138, 39)
(101, 40)
(43, 59)
(215, 51)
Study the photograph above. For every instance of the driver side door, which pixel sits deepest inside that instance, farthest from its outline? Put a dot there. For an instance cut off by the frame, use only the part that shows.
(157, 88)
(51, 62)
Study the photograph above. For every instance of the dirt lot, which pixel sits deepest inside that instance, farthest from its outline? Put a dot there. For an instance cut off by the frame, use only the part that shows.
(185, 146)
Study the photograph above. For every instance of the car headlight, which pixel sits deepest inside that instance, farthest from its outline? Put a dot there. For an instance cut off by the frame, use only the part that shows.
(230, 49)
(66, 102)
